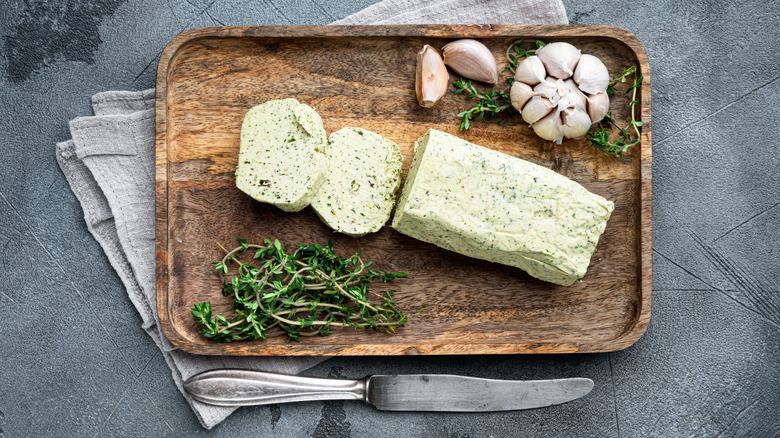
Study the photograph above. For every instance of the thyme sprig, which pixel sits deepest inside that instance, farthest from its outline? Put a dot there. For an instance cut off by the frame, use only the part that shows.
(600, 137)
(305, 292)
(491, 102)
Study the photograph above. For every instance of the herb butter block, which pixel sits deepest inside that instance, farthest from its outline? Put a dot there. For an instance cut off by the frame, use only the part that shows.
(363, 173)
(492, 206)
(281, 158)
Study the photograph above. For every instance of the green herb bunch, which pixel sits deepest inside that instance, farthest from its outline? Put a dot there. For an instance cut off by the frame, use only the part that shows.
(495, 101)
(306, 292)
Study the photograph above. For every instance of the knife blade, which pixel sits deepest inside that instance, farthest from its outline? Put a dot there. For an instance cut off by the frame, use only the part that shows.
(411, 392)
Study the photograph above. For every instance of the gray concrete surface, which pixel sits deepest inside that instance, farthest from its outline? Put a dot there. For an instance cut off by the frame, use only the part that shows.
(75, 362)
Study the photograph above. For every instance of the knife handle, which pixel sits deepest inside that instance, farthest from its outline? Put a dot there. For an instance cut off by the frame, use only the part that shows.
(246, 388)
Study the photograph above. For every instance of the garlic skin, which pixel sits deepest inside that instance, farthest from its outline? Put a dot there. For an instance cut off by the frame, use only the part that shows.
(531, 71)
(598, 106)
(560, 92)
(591, 75)
(432, 78)
(520, 94)
(472, 60)
(549, 88)
(559, 59)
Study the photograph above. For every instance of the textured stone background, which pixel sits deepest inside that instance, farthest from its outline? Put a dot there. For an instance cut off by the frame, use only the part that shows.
(75, 361)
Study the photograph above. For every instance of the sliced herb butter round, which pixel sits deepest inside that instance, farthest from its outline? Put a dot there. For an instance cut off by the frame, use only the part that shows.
(363, 173)
(281, 159)
(492, 206)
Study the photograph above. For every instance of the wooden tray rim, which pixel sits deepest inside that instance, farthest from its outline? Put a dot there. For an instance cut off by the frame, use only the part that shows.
(644, 222)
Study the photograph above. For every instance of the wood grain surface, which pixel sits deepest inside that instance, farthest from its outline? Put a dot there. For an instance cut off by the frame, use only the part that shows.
(363, 76)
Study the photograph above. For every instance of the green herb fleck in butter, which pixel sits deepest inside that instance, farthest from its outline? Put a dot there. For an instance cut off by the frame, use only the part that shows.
(363, 173)
(281, 157)
(495, 207)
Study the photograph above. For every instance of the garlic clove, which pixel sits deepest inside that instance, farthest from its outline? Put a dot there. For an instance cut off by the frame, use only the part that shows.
(559, 59)
(531, 71)
(520, 94)
(575, 97)
(472, 60)
(432, 77)
(549, 127)
(591, 75)
(536, 108)
(575, 123)
(598, 106)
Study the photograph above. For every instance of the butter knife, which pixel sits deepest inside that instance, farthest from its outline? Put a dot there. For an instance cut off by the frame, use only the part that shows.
(411, 392)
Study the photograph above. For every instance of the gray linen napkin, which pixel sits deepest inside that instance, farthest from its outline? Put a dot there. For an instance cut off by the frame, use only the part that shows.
(109, 165)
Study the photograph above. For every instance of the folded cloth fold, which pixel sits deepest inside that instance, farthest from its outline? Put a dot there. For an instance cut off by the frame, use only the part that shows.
(109, 165)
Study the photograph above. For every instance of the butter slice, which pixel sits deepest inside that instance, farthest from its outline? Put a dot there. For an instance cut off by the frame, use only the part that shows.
(281, 158)
(363, 174)
(492, 206)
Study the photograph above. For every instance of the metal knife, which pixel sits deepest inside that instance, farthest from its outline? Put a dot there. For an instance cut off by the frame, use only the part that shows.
(413, 392)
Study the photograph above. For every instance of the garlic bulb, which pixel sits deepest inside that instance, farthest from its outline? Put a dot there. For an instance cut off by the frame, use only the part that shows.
(432, 77)
(472, 60)
(560, 92)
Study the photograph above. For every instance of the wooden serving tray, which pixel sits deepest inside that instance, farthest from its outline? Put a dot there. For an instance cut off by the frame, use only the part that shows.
(363, 76)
